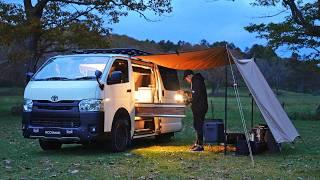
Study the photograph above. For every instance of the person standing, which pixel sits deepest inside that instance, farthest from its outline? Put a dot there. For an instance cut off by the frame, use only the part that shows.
(199, 105)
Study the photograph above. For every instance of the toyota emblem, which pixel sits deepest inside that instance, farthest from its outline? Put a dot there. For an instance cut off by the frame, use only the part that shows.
(54, 98)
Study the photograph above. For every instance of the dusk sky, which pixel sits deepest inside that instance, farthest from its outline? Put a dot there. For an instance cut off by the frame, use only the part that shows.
(193, 20)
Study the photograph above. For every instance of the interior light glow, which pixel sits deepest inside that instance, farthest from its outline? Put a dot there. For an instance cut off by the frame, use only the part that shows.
(179, 98)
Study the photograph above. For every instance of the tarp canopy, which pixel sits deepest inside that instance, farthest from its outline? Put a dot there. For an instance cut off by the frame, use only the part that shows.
(270, 108)
(195, 60)
(273, 113)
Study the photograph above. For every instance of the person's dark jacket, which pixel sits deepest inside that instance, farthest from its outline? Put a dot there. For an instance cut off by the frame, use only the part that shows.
(199, 94)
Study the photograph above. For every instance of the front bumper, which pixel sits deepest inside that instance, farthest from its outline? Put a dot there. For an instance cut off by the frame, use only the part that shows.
(67, 127)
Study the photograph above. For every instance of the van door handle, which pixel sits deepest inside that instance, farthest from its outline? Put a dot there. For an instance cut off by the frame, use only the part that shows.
(128, 90)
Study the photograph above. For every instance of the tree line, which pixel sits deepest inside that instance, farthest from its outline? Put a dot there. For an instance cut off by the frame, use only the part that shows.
(31, 31)
(295, 73)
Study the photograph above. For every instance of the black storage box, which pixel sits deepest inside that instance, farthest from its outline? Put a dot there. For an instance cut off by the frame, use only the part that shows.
(272, 145)
(242, 147)
(256, 147)
(213, 131)
(232, 138)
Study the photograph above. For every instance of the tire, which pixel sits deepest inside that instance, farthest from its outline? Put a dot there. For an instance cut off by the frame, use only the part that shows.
(120, 136)
(164, 137)
(49, 144)
(86, 145)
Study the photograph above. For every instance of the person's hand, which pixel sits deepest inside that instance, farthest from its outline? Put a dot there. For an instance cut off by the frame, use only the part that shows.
(180, 91)
(187, 96)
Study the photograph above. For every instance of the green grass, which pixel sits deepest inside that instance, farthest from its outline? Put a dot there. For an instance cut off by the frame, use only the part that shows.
(23, 158)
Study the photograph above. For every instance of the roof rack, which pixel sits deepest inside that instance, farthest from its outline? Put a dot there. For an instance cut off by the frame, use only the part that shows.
(127, 51)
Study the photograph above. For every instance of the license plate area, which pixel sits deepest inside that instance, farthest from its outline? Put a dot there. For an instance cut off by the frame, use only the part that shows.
(52, 133)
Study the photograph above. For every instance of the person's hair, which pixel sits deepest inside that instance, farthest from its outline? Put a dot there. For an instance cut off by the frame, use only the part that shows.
(187, 73)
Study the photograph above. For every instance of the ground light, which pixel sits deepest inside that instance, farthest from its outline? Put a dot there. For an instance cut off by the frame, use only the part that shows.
(180, 149)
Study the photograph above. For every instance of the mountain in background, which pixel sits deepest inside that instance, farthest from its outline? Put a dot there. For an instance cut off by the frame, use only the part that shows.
(124, 41)
(294, 74)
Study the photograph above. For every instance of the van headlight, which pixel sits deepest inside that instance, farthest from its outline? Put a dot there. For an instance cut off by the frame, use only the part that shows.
(27, 105)
(89, 105)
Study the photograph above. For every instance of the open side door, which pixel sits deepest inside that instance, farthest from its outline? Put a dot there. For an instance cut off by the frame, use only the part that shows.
(154, 103)
(169, 112)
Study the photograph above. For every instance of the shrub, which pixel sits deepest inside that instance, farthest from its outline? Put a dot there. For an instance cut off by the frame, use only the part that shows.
(318, 112)
(304, 116)
(16, 110)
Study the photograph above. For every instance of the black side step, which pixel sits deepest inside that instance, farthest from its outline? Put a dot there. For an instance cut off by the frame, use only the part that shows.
(143, 131)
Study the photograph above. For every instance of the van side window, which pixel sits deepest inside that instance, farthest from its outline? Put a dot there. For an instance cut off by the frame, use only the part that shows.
(119, 66)
(142, 77)
(169, 78)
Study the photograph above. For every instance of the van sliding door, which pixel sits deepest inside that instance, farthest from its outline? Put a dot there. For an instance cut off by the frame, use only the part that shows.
(164, 109)
(151, 97)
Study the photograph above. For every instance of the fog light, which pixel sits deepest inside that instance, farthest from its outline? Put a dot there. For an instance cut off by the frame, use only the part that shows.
(92, 129)
(23, 127)
(27, 105)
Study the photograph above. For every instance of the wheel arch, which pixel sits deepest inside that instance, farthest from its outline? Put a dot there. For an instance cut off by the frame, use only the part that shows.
(122, 113)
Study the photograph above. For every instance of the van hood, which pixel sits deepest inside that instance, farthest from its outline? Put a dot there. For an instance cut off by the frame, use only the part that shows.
(63, 90)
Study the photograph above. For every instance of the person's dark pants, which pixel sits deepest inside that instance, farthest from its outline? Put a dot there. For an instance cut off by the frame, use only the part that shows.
(198, 120)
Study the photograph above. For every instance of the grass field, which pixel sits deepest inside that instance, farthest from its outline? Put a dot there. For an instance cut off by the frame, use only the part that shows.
(23, 159)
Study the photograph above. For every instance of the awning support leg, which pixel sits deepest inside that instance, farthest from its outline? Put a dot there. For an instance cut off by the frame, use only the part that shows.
(225, 109)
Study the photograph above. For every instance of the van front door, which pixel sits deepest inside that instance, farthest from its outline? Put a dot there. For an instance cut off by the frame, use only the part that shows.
(118, 91)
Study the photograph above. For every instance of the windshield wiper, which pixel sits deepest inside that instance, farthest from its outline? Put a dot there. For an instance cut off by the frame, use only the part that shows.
(53, 79)
(85, 78)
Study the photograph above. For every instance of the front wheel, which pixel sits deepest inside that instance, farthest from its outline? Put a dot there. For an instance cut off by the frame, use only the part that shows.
(120, 136)
(49, 144)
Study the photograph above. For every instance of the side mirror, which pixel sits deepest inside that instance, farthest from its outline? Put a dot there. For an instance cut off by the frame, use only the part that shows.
(29, 76)
(115, 77)
(98, 75)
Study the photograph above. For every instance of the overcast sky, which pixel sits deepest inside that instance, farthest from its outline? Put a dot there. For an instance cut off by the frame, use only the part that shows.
(193, 20)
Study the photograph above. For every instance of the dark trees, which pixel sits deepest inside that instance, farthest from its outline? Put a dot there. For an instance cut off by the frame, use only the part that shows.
(46, 26)
(300, 28)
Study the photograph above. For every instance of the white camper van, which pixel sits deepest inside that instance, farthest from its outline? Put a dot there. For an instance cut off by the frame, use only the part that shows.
(101, 96)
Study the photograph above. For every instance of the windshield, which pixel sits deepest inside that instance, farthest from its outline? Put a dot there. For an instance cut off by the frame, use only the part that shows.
(71, 68)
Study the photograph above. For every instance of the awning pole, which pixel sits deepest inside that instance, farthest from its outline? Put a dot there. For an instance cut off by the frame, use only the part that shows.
(251, 111)
(225, 110)
(236, 92)
(252, 104)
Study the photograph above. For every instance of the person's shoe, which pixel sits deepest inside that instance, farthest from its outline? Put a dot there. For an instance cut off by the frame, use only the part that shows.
(193, 146)
(198, 149)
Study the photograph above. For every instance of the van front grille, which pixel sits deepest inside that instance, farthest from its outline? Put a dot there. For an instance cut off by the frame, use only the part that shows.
(46, 120)
(55, 108)
(61, 105)
(63, 114)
